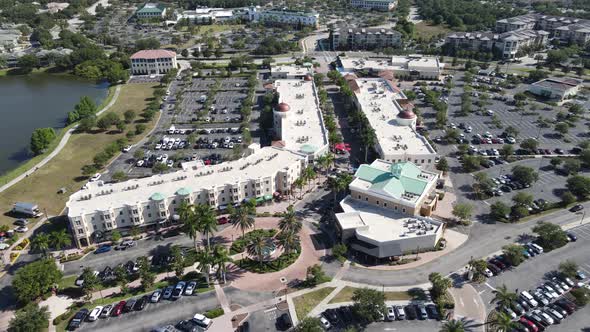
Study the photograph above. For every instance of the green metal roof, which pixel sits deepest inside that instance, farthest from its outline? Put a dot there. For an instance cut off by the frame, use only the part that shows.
(157, 197)
(150, 8)
(184, 191)
(402, 177)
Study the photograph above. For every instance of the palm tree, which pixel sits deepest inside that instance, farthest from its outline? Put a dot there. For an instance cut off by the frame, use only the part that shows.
(503, 297)
(41, 243)
(503, 322)
(206, 221)
(453, 326)
(59, 239)
(289, 240)
(309, 174)
(368, 138)
(205, 260)
(299, 184)
(241, 219)
(440, 284)
(289, 222)
(220, 257)
(189, 222)
(258, 245)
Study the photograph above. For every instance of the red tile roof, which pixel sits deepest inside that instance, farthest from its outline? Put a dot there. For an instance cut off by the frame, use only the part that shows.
(153, 54)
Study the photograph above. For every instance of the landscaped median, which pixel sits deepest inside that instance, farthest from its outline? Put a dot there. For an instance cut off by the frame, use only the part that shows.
(306, 302)
(64, 170)
(345, 295)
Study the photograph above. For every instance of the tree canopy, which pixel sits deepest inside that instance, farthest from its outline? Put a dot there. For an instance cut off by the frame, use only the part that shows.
(369, 304)
(41, 138)
(34, 279)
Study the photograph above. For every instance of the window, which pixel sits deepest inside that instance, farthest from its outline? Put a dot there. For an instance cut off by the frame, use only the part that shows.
(122, 221)
(80, 231)
(135, 211)
(222, 191)
(136, 219)
(149, 215)
(120, 213)
(367, 199)
(94, 226)
(404, 210)
(173, 201)
(162, 214)
(148, 207)
(78, 223)
(377, 202)
(257, 192)
(395, 207)
(359, 196)
(223, 199)
(385, 204)
(109, 225)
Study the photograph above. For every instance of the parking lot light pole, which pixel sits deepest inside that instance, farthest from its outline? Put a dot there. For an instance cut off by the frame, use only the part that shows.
(583, 215)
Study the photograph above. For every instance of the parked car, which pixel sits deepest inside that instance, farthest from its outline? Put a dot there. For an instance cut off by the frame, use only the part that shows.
(284, 322)
(95, 177)
(410, 312)
(190, 288)
(222, 221)
(202, 321)
(94, 314)
(432, 312)
(390, 313)
(103, 249)
(580, 275)
(21, 222)
(129, 305)
(106, 311)
(571, 236)
(21, 229)
(399, 312)
(577, 207)
(168, 292)
(141, 303)
(178, 289)
(188, 326)
(118, 309)
(78, 319)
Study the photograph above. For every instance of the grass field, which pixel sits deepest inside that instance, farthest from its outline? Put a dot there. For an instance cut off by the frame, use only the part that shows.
(345, 295)
(64, 170)
(427, 30)
(306, 302)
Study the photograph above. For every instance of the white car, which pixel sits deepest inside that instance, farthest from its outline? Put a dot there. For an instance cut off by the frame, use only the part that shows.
(4, 246)
(170, 163)
(390, 313)
(21, 229)
(488, 273)
(327, 324)
(106, 311)
(202, 321)
(127, 148)
(158, 146)
(139, 163)
(94, 314)
(95, 177)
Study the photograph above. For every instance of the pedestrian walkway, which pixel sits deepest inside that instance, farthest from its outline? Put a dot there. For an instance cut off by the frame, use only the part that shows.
(221, 298)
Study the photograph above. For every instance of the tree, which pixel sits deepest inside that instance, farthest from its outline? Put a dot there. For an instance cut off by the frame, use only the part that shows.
(139, 154)
(440, 285)
(478, 266)
(471, 163)
(207, 223)
(453, 325)
(258, 246)
(551, 236)
(289, 221)
(147, 279)
(339, 250)
(129, 116)
(177, 261)
(315, 275)
(289, 240)
(220, 258)
(506, 151)
(555, 162)
(568, 268)
(503, 322)
(462, 211)
(121, 277)
(87, 123)
(500, 211)
(529, 144)
(567, 198)
(581, 296)
(121, 126)
(511, 131)
(41, 243)
(59, 239)
(571, 166)
(241, 218)
(309, 324)
(579, 185)
(562, 128)
(30, 318)
(443, 165)
(524, 174)
(369, 305)
(205, 260)
(91, 282)
(514, 254)
(34, 279)
(189, 222)
(41, 138)
(523, 198)
(115, 236)
(27, 63)
(503, 297)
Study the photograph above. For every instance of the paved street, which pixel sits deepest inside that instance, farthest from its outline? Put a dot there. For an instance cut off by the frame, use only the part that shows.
(405, 326)
(155, 314)
(264, 320)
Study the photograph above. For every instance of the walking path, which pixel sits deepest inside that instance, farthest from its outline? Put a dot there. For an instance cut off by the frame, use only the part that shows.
(59, 147)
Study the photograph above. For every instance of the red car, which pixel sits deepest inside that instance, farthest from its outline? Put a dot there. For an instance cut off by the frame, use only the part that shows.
(529, 324)
(222, 221)
(118, 309)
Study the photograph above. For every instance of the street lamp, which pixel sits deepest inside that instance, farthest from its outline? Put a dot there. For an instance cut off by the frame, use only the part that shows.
(583, 215)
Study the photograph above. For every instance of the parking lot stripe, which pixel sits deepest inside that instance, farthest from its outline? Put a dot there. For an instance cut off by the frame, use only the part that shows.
(492, 288)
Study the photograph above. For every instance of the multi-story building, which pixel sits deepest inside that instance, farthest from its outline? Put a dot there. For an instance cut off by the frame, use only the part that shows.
(205, 15)
(383, 215)
(152, 62)
(147, 202)
(508, 44)
(151, 11)
(298, 120)
(566, 29)
(363, 38)
(382, 5)
(389, 113)
(412, 66)
(556, 88)
(282, 16)
(289, 72)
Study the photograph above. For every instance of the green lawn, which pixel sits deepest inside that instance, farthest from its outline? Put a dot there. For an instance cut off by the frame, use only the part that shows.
(427, 30)
(306, 302)
(64, 170)
(345, 295)
(67, 282)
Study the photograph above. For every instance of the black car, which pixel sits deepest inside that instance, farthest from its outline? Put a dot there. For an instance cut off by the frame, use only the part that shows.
(140, 304)
(78, 319)
(577, 207)
(495, 270)
(432, 312)
(410, 312)
(332, 316)
(129, 305)
(572, 236)
(188, 326)
(284, 322)
(517, 308)
(106, 274)
(345, 314)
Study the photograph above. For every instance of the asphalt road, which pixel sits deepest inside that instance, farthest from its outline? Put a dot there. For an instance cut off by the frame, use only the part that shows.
(155, 314)
(484, 239)
(405, 326)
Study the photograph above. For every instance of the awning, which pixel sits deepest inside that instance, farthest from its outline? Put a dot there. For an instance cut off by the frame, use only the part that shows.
(267, 197)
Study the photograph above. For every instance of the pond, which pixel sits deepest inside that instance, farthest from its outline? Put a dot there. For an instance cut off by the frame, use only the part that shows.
(36, 101)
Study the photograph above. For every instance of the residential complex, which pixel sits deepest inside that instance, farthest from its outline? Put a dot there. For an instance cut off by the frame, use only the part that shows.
(151, 11)
(205, 15)
(363, 38)
(146, 202)
(10, 40)
(282, 16)
(298, 121)
(507, 44)
(413, 66)
(566, 29)
(289, 71)
(152, 62)
(389, 113)
(556, 88)
(382, 5)
(381, 217)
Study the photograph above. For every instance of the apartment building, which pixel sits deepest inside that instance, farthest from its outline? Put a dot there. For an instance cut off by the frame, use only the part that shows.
(389, 113)
(147, 202)
(508, 44)
(151, 11)
(363, 38)
(152, 62)
(297, 120)
(413, 66)
(387, 211)
(282, 16)
(566, 29)
(381, 5)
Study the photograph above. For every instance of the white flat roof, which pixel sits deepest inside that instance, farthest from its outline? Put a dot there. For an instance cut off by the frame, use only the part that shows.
(303, 125)
(290, 70)
(377, 99)
(381, 224)
(263, 163)
(396, 63)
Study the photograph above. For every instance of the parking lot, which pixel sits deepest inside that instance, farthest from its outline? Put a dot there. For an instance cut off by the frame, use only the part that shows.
(266, 320)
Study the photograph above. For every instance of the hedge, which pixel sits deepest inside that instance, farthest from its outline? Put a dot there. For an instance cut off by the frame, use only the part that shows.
(214, 313)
